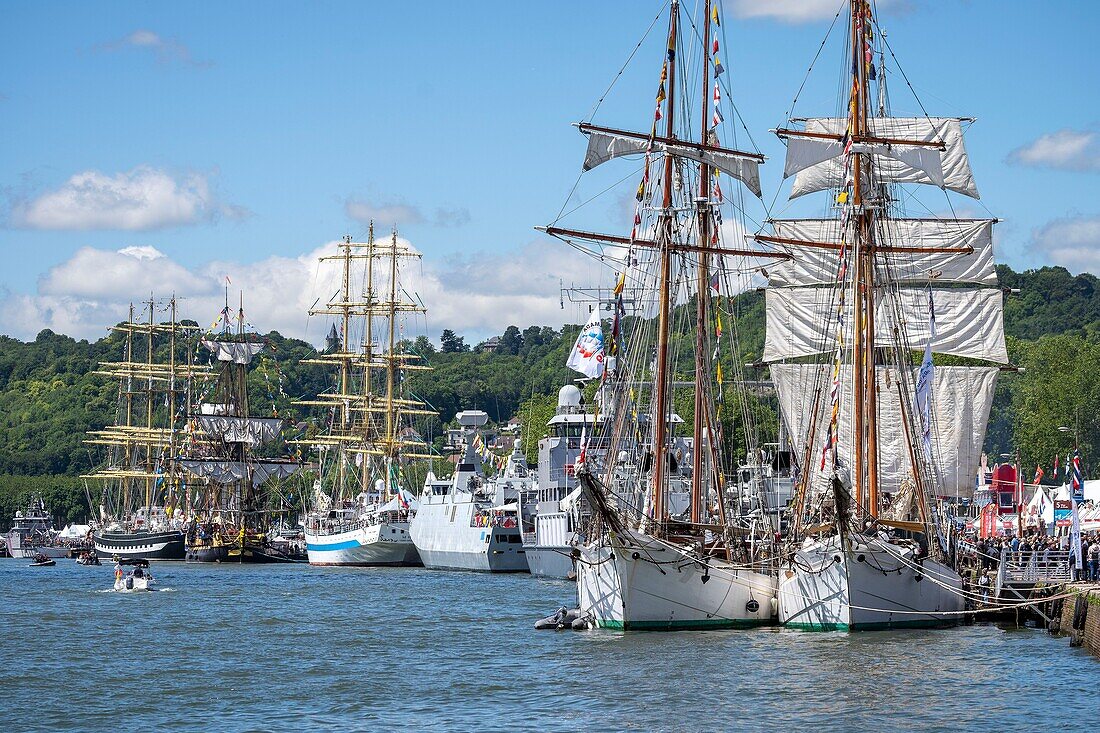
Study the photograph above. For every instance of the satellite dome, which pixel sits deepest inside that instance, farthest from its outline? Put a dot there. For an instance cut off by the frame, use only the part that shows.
(569, 396)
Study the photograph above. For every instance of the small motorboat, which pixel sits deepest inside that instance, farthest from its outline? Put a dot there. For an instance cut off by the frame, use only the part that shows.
(42, 561)
(138, 578)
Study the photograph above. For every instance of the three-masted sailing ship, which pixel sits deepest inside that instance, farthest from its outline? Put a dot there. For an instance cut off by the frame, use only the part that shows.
(878, 431)
(139, 509)
(221, 457)
(645, 565)
(361, 507)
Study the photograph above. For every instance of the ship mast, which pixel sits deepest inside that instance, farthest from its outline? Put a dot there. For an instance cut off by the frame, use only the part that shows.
(368, 355)
(702, 294)
(863, 368)
(661, 397)
(391, 443)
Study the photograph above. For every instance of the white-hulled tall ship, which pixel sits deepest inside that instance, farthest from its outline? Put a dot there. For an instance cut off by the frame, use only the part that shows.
(469, 521)
(879, 430)
(224, 473)
(361, 507)
(644, 566)
(139, 508)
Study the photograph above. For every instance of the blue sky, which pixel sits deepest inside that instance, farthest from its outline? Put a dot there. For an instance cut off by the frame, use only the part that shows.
(269, 129)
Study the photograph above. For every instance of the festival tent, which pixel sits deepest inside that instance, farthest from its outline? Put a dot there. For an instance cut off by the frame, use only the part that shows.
(75, 532)
(1040, 508)
(1091, 491)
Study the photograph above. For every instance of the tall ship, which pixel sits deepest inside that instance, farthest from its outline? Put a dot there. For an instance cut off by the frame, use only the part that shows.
(32, 532)
(854, 323)
(470, 521)
(646, 563)
(139, 507)
(226, 462)
(361, 506)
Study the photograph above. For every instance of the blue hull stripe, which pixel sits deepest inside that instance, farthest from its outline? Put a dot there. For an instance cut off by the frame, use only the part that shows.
(333, 546)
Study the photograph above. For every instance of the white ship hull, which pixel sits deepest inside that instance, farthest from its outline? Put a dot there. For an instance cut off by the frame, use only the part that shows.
(547, 561)
(638, 582)
(446, 541)
(866, 587)
(387, 543)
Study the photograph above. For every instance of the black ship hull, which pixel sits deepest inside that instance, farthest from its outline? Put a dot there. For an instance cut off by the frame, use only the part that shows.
(209, 553)
(148, 545)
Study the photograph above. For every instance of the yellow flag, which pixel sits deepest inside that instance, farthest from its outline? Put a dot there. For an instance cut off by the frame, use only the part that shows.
(620, 284)
(719, 372)
(842, 197)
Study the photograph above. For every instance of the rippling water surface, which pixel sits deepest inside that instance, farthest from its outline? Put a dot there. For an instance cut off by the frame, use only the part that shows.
(289, 648)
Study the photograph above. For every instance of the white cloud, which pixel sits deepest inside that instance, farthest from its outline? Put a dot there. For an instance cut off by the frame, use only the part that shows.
(1077, 150)
(793, 11)
(400, 213)
(1073, 242)
(477, 295)
(143, 198)
(165, 50)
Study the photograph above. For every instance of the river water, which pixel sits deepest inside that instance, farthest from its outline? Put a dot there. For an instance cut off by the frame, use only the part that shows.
(290, 648)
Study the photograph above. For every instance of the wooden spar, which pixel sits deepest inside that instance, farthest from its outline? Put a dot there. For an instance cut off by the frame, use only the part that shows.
(768, 239)
(364, 468)
(661, 396)
(390, 369)
(859, 291)
(867, 244)
(565, 234)
(702, 296)
(702, 147)
(171, 401)
(937, 144)
(345, 330)
(128, 454)
(149, 413)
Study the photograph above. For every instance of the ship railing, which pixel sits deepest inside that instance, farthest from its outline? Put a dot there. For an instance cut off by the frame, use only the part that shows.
(494, 519)
(1035, 566)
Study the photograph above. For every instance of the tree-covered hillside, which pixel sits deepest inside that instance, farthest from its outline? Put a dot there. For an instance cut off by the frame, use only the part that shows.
(50, 395)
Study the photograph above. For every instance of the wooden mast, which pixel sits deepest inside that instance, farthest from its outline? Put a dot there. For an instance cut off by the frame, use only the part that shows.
(866, 249)
(391, 439)
(149, 399)
(661, 397)
(702, 296)
(344, 412)
(368, 354)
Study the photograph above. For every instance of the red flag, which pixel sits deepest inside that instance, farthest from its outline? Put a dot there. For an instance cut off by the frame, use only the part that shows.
(1038, 474)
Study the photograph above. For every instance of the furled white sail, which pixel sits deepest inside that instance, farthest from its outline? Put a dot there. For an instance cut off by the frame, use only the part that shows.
(818, 266)
(603, 146)
(969, 322)
(227, 472)
(818, 164)
(961, 399)
(250, 430)
(236, 352)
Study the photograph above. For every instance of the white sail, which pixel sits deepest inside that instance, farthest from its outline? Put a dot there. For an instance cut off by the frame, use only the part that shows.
(818, 164)
(236, 352)
(818, 266)
(969, 322)
(250, 430)
(603, 146)
(227, 472)
(961, 399)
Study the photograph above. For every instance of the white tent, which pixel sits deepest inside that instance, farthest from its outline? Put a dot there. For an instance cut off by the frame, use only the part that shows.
(74, 532)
